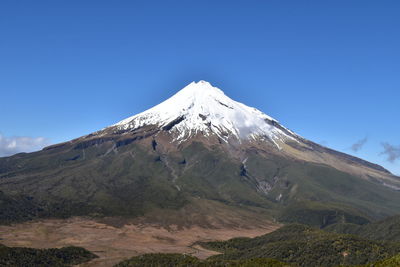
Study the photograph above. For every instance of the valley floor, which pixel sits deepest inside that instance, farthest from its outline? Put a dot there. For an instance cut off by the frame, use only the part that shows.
(115, 243)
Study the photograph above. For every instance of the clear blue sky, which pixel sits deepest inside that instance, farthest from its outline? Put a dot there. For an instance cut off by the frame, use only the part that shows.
(329, 70)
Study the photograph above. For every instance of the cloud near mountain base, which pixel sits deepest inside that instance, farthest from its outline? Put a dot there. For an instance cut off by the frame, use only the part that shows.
(16, 144)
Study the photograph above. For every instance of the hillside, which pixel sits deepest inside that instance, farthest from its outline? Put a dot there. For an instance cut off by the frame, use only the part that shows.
(387, 229)
(179, 260)
(306, 246)
(63, 257)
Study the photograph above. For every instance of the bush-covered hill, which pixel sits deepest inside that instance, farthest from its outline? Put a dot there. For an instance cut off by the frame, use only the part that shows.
(306, 246)
(391, 262)
(387, 229)
(320, 214)
(180, 260)
(54, 257)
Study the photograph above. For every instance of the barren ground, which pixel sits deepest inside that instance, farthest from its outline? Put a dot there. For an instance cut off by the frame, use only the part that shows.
(113, 244)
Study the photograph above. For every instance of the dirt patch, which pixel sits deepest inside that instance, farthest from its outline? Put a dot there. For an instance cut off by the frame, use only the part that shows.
(113, 244)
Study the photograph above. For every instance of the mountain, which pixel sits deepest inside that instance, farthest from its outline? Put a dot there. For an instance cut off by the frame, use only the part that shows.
(197, 158)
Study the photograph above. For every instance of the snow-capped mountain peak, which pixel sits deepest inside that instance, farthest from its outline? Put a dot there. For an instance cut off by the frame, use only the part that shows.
(202, 108)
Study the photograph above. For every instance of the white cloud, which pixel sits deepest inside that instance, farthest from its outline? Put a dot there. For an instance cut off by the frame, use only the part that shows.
(15, 144)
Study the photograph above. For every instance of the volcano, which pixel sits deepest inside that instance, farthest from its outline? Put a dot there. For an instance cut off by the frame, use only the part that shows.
(197, 158)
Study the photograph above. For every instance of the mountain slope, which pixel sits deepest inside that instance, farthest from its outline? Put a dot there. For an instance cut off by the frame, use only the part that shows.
(305, 246)
(180, 260)
(197, 148)
(387, 229)
(60, 257)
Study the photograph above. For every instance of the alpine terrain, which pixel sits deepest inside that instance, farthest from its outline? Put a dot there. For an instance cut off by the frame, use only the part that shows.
(198, 158)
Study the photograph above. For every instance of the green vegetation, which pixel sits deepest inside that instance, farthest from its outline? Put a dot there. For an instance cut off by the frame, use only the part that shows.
(320, 214)
(16, 209)
(319, 196)
(305, 246)
(128, 176)
(180, 260)
(67, 256)
(391, 262)
(159, 259)
(47, 184)
(387, 229)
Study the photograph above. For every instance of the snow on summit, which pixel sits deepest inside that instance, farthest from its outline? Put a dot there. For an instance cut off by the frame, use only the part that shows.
(202, 108)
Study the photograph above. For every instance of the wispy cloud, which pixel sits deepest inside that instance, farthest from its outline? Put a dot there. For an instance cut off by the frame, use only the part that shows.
(15, 144)
(359, 144)
(391, 152)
